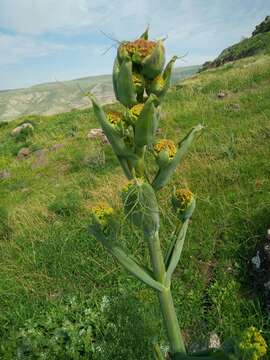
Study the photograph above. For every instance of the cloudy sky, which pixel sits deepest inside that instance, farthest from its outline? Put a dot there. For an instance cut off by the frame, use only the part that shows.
(48, 40)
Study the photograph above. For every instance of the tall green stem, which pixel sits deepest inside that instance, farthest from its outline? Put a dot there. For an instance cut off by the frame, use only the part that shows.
(165, 298)
(139, 164)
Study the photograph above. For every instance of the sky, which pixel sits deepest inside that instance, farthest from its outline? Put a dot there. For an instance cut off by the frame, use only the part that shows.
(56, 40)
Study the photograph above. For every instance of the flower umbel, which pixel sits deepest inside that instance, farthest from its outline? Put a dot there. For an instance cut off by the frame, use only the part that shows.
(137, 79)
(253, 344)
(114, 117)
(167, 145)
(183, 202)
(102, 212)
(135, 111)
(184, 198)
(158, 83)
(140, 47)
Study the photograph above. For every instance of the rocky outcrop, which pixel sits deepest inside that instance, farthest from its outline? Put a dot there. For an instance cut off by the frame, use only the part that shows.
(262, 27)
(4, 174)
(23, 153)
(24, 127)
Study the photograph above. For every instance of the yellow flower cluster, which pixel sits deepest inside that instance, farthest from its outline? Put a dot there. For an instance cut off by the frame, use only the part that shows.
(158, 82)
(167, 145)
(114, 117)
(137, 79)
(183, 197)
(253, 342)
(102, 212)
(135, 111)
(141, 47)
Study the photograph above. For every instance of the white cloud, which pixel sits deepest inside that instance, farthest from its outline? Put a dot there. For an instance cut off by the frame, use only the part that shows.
(18, 47)
(41, 16)
(15, 48)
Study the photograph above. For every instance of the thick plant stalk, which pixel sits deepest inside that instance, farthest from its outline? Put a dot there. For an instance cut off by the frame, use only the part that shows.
(165, 298)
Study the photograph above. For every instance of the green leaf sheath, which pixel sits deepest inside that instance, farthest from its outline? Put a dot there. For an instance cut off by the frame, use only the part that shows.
(158, 86)
(176, 251)
(126, 90)
(129, 264)
(169, 251)
(153, 64)
(146, 123)
(164, 174)
(141, 207)
(116, 70)
(169, 67)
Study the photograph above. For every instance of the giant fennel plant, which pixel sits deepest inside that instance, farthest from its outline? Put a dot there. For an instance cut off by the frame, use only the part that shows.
(140, 82)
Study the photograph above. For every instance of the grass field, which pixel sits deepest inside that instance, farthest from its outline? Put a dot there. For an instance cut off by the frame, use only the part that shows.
(55, 276)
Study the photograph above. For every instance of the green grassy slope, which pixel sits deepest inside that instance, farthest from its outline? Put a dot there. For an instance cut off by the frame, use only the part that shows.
(255, 45)
(47, 255)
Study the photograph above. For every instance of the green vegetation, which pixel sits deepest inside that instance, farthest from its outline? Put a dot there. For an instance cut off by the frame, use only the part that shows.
(258, 43)
(49, 257)
(263, 26)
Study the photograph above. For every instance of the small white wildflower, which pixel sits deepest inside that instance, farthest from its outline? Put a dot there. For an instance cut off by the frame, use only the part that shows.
(165, 349)
(105, 302)
(214, 341)
(98, 348)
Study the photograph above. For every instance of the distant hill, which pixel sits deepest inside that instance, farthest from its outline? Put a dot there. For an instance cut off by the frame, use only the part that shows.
(258, 43)
(53, 98)
(58, 97)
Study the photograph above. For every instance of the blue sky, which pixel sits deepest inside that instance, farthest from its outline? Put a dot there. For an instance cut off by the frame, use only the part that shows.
(48, 40)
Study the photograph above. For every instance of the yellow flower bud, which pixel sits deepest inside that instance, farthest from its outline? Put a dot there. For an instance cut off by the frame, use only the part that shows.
(135, 111)
(183, 202)
(114, 117)
(155, 86)
(137, 79)
(184, 198)
(167, 145)
(139, 84)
